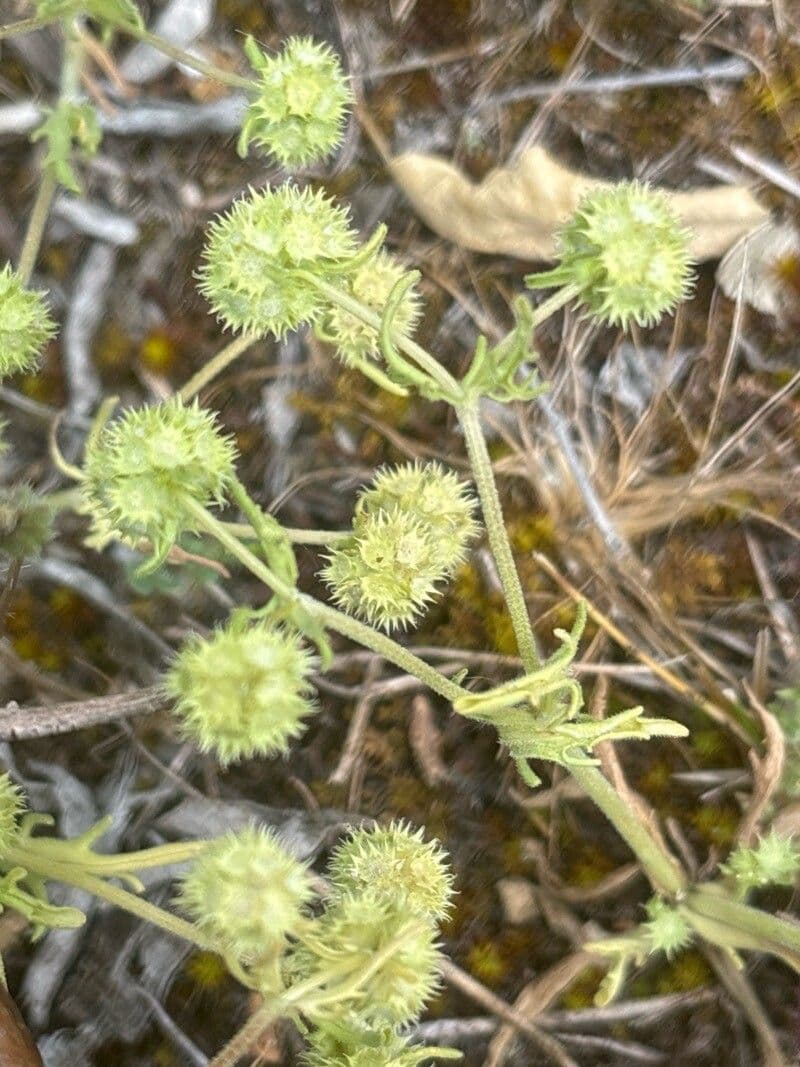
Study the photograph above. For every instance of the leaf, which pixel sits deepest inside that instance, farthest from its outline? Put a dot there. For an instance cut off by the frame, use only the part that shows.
(68, 127)
(753, 267)
(516, 209)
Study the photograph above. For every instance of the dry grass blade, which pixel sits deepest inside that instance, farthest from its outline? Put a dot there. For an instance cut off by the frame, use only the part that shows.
(478, 992)
(48, 720)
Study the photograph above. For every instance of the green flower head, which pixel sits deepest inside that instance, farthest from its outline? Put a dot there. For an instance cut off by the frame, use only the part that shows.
(397, 865)
(142, 469)
(431, 495)
(242, 692)
(371, 284)
(26, 521)
(774, 861)
(248, 894)
(388, 572)
(351, 1044)
(302, 102)
(626, 253)
(25, 325)
(12, 805)
(254, 253)
(410, 532)
(356, 931)
(666, 927)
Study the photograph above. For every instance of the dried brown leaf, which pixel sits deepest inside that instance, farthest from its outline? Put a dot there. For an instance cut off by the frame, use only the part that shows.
(516, 209)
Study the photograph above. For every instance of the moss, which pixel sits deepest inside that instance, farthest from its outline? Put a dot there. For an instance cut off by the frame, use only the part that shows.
(207, 972)
(716, 824)
(588, 866)
(487, 963)
(158, 352)
(532, 532)
(583, 990)
(712, 747)
(686, 971)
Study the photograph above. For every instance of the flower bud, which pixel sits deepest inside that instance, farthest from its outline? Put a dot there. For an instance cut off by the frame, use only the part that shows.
(396, 865)
(774, 861)
(357, 929)
(12, 804)
(371, 284)
(667, 930)
(25, 325)
(410, 532)
(254, 252)
(141, 468)
(242, 692)
(301, 105)
(351, 1044)
(26, 520)
(626, 253)
(387, 573)
(247, 893)
(434, 497)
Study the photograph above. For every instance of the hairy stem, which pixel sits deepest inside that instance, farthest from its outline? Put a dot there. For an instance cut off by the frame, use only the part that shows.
(423, 359)
(661, 868)
(63, 852)
(553, 303)
(186, 59)
(330, 617)
(19, 855)
(498, 538)
(36, 226)
(296, 536)
(35, 22)
(216, 365)
(70, 80)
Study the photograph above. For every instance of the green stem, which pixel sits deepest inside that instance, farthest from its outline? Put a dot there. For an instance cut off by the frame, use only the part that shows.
(35, 22)
(36, 226)
(63, 852)
(423, 359)
(186, 59)
(297, 999)
(498, 538)
(217, 364)
(70, 82)
(661, 868)
(328, 616)
(18, 855)
(296, 536)
(553, 304)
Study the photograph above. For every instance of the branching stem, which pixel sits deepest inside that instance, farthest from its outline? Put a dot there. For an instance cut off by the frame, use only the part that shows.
(330, 617)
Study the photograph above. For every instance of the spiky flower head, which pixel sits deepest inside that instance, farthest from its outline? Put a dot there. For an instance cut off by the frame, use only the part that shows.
(25, 325)
(410, 532)
(354, 1045)
(433, 496)
(626, 253)
(247, 894)
(388, 572)
(301, 106)
(12, 804)
(774, 861)
(667, 929)
(254, 252)
(371, 284)
(354, 933)
(142, 468)
(396, 864)
(26, 522)
(244, 691)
